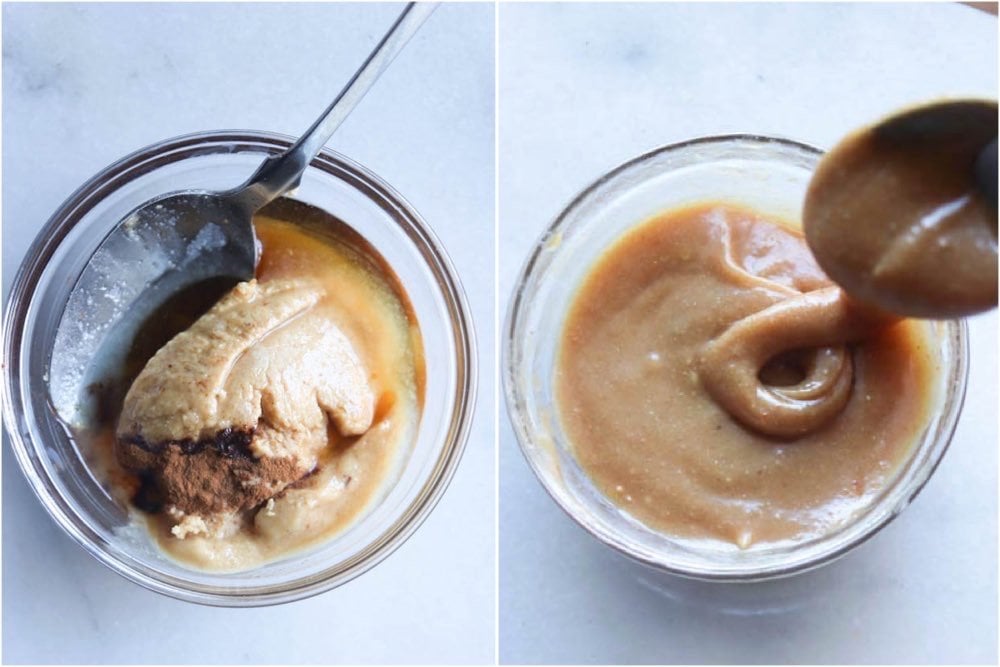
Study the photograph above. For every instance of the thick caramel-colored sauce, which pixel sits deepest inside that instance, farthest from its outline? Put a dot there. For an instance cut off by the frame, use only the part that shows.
(632, 397)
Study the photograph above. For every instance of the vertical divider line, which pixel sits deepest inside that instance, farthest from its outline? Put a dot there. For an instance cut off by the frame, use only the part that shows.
(496, 331)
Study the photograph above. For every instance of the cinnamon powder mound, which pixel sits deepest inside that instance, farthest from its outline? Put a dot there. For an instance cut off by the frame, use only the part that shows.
(207, 477)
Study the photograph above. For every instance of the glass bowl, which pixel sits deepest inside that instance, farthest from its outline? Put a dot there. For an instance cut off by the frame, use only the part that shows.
(55, 468)
(763, 173)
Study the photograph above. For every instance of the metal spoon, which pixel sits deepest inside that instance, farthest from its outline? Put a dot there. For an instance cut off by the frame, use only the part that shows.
(903, 214)
(183, 240)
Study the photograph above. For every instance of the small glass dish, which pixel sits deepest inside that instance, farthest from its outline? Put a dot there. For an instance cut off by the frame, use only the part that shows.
(55, 468)
(765, 174)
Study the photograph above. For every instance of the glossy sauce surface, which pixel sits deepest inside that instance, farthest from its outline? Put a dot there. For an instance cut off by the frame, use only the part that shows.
(638, 381)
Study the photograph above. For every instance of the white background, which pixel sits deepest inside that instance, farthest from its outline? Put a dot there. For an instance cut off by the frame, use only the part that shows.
(584, 88)
(85, 85)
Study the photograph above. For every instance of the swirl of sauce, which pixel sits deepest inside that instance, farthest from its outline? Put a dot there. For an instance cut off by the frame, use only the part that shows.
(700, 347)
(805, 335)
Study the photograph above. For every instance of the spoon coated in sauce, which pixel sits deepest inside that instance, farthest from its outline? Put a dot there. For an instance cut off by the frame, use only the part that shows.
(900, 215)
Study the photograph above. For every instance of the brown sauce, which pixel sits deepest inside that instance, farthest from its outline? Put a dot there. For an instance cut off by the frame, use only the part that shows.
(641, 379)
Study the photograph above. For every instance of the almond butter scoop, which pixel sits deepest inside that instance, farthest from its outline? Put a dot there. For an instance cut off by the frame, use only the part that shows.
(234, 409)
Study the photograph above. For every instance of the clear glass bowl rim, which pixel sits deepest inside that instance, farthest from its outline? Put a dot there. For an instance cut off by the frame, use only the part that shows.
(177, 149)
(515, 394)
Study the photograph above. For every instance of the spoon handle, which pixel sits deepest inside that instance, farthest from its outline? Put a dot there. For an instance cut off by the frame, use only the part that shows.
(280, 173)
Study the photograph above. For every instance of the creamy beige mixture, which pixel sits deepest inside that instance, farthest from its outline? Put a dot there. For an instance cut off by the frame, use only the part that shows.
(715, 384)
(280, 415)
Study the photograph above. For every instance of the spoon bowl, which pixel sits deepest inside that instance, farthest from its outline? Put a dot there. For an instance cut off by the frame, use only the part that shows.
(167, 246)
(203, 234)
(902, 216)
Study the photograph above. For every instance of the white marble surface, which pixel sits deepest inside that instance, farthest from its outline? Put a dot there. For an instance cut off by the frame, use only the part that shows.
(582, 89)
(83, 86)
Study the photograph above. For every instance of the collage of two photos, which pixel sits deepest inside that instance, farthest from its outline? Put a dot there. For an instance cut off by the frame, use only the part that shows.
(499, 333)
